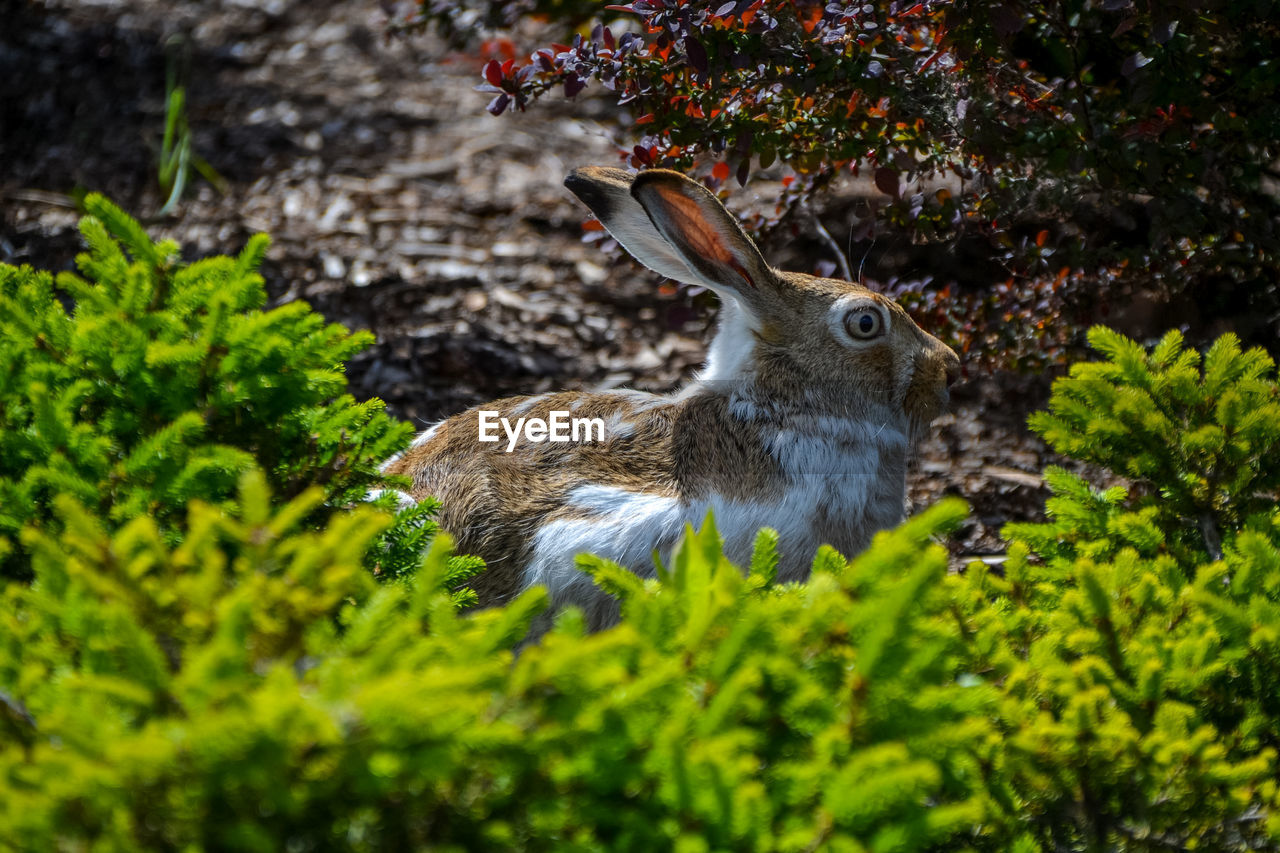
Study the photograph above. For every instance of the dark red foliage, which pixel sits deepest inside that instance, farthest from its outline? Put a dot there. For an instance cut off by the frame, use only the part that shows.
(1091, 149)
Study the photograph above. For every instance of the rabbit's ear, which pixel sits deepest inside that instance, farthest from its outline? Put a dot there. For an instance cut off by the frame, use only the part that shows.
(704, 235)
(608, 193)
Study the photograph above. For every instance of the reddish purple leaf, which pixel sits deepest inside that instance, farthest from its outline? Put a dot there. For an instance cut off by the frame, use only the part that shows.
(1133, 63)
(493, 72)
(1126, 25)
(697, 54)
(887, 181)
(1006, 21)
(1163, 30)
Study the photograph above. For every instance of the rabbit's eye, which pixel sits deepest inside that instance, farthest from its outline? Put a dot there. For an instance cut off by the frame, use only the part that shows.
(864, 323)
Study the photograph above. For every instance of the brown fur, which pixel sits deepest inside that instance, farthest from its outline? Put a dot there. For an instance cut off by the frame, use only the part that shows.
(492, 501)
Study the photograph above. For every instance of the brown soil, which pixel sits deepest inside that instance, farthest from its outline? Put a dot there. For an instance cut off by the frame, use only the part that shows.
(396, 203)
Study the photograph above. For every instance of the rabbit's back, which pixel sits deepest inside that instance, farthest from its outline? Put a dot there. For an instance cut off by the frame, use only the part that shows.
(497, 496)
(620, 491)
(660, 463)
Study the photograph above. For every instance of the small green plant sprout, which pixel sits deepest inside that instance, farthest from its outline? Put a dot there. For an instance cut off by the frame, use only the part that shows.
(177, 157)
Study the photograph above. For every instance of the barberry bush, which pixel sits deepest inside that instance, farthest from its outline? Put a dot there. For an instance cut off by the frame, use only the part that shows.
(224, 671)
(1070, 152)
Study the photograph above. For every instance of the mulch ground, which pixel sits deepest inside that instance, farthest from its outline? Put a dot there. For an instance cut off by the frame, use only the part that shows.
(397, 204)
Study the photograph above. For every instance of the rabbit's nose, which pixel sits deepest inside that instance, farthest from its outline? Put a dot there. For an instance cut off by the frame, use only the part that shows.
(953, 370)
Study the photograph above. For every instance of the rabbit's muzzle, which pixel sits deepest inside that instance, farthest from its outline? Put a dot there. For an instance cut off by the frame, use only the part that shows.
(937, 369)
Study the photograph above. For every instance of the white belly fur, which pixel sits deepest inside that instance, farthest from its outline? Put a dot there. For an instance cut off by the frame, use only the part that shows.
(841, 489)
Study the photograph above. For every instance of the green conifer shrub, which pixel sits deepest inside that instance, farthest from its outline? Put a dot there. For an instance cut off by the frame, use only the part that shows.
(1200, 443)
(150, 382)
(202, 658)
(253, 689)
(1135, 638)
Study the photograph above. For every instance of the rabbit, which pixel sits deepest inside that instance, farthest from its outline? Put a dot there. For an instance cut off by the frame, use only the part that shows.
(813, 393)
